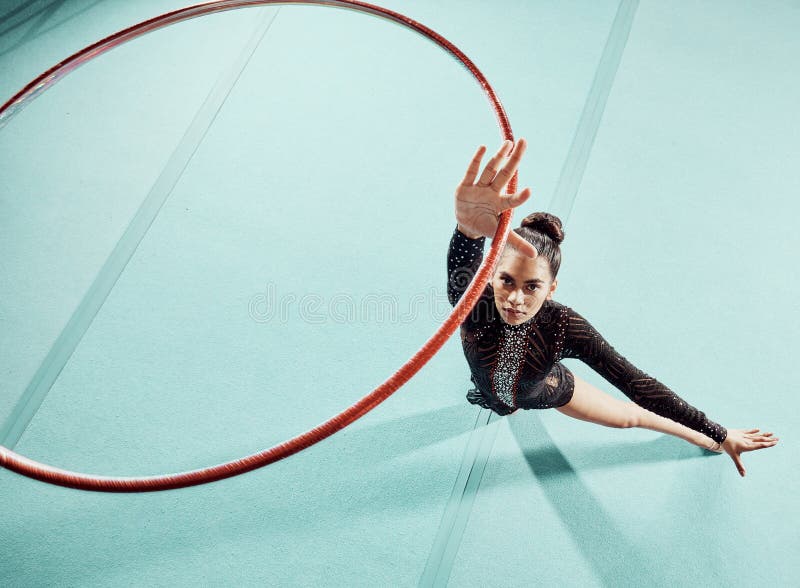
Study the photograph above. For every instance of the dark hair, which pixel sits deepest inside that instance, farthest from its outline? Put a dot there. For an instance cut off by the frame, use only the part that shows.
(543, 231)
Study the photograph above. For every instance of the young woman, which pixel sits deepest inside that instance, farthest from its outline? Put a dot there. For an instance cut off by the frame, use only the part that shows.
(516, 334)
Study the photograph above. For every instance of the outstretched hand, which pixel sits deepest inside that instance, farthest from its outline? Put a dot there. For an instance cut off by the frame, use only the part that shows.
(478, 204)
(740, 440)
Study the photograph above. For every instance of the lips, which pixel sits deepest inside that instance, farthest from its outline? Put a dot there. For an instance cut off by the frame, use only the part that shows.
(513, 312)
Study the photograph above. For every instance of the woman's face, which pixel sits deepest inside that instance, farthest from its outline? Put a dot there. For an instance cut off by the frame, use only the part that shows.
(522, 284)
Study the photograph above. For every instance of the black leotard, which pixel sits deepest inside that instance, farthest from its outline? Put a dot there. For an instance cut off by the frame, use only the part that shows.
(518, 366)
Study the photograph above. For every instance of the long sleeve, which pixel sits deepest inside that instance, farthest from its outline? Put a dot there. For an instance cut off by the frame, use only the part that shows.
(463, 260)
(582, 341)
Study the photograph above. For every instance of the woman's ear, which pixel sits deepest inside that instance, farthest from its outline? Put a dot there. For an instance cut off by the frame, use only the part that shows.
(553, 287)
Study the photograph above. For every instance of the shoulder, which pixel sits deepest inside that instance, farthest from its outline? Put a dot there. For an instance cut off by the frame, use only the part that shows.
(567, 320)
(552, 308)
(553, 304)
(558, 308)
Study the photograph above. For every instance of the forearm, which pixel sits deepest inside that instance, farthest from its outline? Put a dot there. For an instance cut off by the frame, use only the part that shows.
(464, 257)
(662, 401)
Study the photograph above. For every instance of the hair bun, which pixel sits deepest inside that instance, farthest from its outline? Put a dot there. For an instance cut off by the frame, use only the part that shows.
(546, 223)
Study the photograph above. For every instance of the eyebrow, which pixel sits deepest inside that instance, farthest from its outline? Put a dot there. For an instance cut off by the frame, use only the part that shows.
(533, 281)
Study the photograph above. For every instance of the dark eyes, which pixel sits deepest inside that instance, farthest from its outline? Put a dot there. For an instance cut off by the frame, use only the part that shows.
(509, 281)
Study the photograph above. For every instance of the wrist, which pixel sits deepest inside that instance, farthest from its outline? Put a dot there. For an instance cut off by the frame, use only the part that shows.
(467, 234)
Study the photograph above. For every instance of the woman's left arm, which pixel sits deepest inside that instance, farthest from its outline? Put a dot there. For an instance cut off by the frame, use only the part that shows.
(582, 341)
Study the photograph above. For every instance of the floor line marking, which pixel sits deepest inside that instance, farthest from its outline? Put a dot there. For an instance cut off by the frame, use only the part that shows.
(577, 158)
(481, 441)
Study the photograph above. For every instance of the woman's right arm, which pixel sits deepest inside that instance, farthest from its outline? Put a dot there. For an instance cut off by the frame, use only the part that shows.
(463, 260)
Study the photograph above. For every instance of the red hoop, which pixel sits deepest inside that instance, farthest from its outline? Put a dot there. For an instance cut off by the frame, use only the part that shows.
(45, 473)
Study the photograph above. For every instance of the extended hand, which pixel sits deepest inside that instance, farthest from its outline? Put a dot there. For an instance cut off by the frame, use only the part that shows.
(739, 441)
(479, 204)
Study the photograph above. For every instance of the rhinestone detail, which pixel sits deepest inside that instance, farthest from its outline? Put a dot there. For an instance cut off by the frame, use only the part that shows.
(513, 345)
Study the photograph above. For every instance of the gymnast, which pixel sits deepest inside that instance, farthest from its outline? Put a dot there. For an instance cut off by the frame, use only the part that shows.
(516, 334)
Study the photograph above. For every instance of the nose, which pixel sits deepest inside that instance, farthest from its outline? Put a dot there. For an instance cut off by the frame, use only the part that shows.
(515, 297)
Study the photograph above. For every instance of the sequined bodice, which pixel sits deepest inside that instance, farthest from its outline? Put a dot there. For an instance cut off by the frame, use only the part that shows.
(513, 341)
(519, 366)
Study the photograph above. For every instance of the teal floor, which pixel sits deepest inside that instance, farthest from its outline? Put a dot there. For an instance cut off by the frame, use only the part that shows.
(307, 157)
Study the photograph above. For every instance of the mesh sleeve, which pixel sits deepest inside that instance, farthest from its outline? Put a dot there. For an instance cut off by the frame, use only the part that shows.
(463, 260)
(582, 341)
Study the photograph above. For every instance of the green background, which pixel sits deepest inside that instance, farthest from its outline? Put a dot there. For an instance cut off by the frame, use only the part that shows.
(325, 184)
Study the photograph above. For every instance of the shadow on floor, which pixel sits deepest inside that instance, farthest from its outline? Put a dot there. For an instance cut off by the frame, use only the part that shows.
(615, 559)
(364, 475)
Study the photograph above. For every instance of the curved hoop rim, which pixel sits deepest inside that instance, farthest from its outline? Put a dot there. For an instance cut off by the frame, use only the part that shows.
(50, 474)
